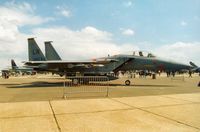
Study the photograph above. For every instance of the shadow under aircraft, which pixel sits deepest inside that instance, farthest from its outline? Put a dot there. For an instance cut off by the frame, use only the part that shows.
(106, 66)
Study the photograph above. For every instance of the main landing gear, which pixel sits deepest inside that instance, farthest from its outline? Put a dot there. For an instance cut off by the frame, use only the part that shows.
(75, 81)
(82, 81)
(127, 82)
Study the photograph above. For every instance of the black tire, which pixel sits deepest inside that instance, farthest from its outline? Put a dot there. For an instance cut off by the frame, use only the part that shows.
(75, 81)
(127, 82)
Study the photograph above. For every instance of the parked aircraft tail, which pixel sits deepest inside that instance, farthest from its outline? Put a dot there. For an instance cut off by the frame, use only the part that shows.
(50, 52)
(13, 64)
(34, 52)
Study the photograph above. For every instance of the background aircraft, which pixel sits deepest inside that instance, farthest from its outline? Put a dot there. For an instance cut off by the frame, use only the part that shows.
(16, 70)
(105, 66)
(22, 70)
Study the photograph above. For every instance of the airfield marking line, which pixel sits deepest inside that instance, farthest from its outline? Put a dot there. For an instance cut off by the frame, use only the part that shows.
(59, 129)
(122, 103)
(94, 111)
(179, 99)
(169, 105)
(24, 116)
(157, 114)
(169, 118)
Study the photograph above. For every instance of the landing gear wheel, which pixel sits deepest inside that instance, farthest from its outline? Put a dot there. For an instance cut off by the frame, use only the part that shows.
(86, 81)
(127, 82)
(75, 81)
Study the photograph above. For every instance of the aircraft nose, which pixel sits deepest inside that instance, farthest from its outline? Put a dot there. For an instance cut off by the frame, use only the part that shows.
(184, 66)
(180, 66)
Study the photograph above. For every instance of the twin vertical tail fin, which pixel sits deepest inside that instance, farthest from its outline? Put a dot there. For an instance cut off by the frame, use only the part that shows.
(34, 52)
(50, 52)
(13, 64)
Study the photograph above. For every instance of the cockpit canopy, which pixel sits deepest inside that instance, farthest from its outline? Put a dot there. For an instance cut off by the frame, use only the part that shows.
(142, 53)
(132, 53)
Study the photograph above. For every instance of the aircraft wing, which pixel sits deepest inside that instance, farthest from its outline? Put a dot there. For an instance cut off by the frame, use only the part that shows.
(70, 64)
(101, 61)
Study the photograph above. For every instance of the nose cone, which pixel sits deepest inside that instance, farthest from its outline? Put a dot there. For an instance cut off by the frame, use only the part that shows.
(180, 66)
(174, 66)
(184, 66)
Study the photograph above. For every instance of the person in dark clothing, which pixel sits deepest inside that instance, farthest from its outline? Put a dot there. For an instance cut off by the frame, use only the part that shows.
(190, 73)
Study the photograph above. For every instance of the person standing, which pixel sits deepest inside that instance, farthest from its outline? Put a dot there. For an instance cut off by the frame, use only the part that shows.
(190, 73)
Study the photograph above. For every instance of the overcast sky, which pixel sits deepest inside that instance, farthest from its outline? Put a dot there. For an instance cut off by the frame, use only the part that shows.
(86, 29)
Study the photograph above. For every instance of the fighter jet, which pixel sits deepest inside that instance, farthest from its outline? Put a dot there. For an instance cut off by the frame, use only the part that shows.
(105, 66)
(23, 70)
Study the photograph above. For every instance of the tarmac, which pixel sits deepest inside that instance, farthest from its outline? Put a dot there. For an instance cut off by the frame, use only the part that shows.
(36, 104)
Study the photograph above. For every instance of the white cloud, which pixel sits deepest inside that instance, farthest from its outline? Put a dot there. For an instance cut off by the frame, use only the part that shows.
(197, 18)
(128, 32)
(180, 51)
(13, 43)
(86, 43)
(11, 17)
(90, 42)
(183, 23)
(24, 6)
(20, 14)
(128, 3)
(64, 11)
